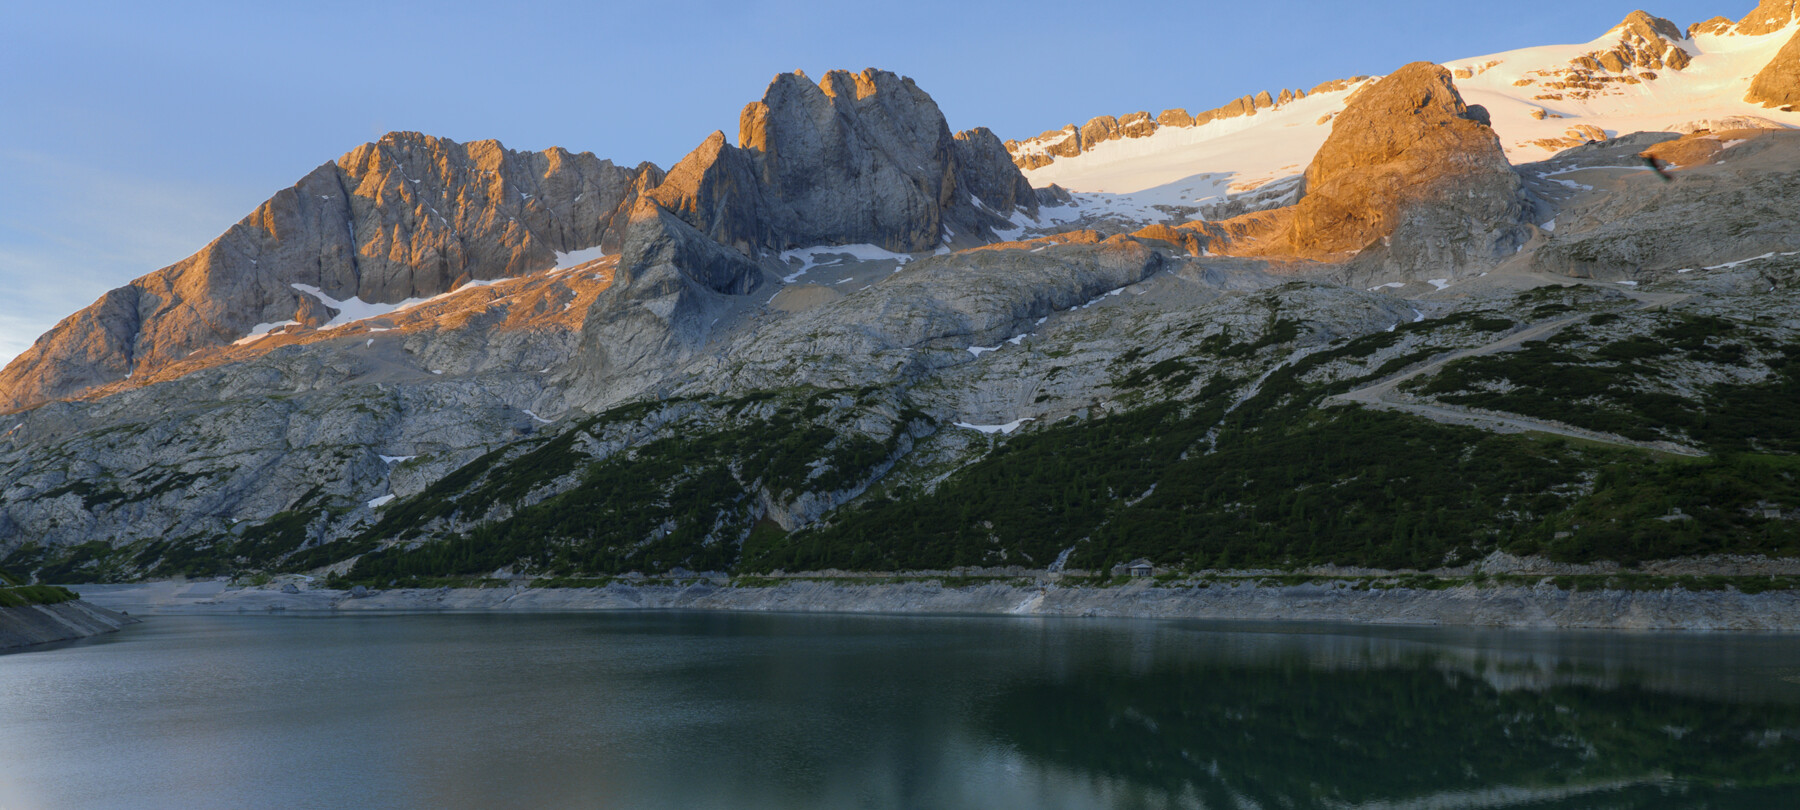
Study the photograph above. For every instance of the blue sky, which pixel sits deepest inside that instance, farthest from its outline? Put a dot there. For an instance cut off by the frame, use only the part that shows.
(131, 134)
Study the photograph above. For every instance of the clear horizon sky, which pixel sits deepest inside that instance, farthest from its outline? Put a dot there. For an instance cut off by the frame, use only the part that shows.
(132, 134)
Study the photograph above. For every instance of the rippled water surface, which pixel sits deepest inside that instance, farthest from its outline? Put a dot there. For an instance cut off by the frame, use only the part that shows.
(697, 710)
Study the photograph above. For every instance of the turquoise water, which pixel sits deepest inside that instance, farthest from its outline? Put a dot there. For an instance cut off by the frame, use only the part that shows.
(698, 710)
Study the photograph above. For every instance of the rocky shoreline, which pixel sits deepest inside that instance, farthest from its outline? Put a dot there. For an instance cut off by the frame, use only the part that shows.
(65, 621)
(1539, 606)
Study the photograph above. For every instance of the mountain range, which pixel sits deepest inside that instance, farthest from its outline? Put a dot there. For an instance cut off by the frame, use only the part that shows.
(1531, 303)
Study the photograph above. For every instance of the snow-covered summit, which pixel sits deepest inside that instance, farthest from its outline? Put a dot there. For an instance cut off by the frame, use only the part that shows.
(1645, 74)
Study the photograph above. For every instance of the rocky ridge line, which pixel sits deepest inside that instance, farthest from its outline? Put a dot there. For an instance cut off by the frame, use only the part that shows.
(409, 216)
(1072, 140)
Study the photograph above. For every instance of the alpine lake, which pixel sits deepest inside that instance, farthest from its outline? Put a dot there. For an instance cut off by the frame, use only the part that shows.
(738, 710)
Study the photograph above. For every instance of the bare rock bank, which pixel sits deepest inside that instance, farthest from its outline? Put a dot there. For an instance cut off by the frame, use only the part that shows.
(65, 621)
(1541, 606)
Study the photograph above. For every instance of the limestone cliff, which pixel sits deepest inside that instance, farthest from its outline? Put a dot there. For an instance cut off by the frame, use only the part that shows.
(1410, 176)
(857, 158)
(1768, 17)
(1778, 83)
(405, 217)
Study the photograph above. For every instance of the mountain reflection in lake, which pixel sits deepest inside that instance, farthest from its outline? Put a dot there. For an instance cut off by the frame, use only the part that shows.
(730, 710)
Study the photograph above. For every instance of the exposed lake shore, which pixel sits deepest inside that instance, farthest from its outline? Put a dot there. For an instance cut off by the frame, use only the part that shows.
(1544, 604)
(30, 625)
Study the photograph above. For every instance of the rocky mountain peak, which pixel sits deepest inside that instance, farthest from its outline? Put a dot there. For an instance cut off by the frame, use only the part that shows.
(1644, 43)
(1715, 26)
(1387, 118)
(1642, 26)
(856, 158)
(717, 190)
(1403, 143)
(408, 216)
(1768, 17)
(1410, 178)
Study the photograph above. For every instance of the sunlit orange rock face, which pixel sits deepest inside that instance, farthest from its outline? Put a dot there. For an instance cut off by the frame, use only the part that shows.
(409, 216)
(1768, 17)
(1406, 158)
(1778, 83)
(553, 304)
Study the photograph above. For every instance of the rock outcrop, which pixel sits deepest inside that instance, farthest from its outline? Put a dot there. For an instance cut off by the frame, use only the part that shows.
(1641, 45)
(1409, 177)
(1645, 42)
(1778, 83)
(988, 173)
(857, 158)
(1072, 140)
(670, 281)
(406, 217)
(1768, 17)
(1736, 195)
(1714, 26)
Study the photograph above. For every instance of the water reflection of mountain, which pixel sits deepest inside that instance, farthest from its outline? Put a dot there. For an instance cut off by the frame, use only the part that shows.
(1322, 721)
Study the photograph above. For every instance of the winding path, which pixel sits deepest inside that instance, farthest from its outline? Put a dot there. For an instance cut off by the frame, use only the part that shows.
(1382, 393)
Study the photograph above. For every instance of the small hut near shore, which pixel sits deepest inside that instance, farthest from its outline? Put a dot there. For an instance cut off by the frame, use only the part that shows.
(1139, 567)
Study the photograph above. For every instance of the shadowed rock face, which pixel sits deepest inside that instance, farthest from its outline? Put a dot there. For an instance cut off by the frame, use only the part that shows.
(1736, 201)
(857, 158)
(408, 216)
(987, 172)
(1409, 178)
(672, 281)
(1778, 83)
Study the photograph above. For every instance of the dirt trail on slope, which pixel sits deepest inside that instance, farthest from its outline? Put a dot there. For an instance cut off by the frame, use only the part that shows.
(1382, 394)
